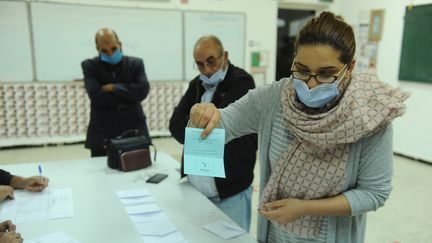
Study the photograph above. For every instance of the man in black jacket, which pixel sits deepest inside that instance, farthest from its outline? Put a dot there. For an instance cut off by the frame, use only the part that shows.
(116, 85)
(220, 83)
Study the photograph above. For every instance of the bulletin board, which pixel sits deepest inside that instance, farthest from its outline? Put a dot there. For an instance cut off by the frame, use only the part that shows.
(416, 54)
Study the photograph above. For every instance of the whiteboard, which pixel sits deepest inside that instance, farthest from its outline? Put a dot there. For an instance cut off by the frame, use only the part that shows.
(15, 53)
(64, 35)
(230, 28)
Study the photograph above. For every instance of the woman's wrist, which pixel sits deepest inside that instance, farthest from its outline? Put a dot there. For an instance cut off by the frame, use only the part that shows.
(333, 206)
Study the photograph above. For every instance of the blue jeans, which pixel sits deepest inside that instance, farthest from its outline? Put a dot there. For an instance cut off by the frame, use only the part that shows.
(237, 207)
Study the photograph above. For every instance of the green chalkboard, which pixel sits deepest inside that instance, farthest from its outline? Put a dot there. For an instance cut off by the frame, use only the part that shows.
(416, 55)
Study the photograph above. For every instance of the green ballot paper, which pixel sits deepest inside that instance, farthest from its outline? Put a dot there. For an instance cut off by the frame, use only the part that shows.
(204, 157)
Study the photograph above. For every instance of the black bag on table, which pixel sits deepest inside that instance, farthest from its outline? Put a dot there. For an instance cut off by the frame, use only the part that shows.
(129, 151)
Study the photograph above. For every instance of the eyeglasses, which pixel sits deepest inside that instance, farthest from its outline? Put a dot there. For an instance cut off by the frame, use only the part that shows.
(211, 62)
(320, 77)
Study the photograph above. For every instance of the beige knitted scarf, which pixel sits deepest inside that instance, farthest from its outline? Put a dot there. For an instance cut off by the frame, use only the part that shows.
(314, 164)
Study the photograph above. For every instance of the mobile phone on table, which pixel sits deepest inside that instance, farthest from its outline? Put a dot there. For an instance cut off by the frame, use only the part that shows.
(158, 177)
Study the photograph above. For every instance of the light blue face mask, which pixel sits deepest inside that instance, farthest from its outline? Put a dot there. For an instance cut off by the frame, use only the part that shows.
(116, 57)
(215, 79)
(318, 96)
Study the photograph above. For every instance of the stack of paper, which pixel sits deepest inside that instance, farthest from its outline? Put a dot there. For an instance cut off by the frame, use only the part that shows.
(33, 207)
(152, 224)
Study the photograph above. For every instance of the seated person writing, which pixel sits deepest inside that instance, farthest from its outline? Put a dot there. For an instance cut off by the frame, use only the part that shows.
(10, 182)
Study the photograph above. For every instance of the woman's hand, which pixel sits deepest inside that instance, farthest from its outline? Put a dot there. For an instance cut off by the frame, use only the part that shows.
(205, 115)
(283, 211)
(287, 210)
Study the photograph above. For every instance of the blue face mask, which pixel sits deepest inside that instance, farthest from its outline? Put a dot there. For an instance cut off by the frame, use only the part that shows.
(318, 96)
(215, 79)
(116, 57)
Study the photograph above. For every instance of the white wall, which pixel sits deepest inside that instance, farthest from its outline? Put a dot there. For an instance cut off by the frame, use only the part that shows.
(412, 132)
(261, 21)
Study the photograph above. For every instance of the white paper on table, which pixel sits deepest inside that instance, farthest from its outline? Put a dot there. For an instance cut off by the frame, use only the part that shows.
(137, 200)
(56, 237)
(175, 237)
(224, 229)
(38, 206)
(149, 217)
(142, 208)
(157, 228)
(133, 193)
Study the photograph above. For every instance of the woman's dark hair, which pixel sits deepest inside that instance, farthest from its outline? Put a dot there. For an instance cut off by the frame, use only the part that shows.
(328, 29)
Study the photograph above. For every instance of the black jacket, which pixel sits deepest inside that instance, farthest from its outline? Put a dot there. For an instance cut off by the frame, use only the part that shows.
(112, 113)
(5, 177)
(240, 154)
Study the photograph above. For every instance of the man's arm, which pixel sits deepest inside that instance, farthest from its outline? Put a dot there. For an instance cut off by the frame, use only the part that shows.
(137, 90)
(97, 95)
(238, 87)
(180, 116)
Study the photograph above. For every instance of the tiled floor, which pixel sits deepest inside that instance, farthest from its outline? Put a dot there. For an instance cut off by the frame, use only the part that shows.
(406, 217)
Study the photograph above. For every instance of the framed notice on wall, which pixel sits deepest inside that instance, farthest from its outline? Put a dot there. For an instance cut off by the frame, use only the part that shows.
(376, 25)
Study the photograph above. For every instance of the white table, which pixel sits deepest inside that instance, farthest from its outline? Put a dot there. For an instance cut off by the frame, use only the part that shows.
(99, 215)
